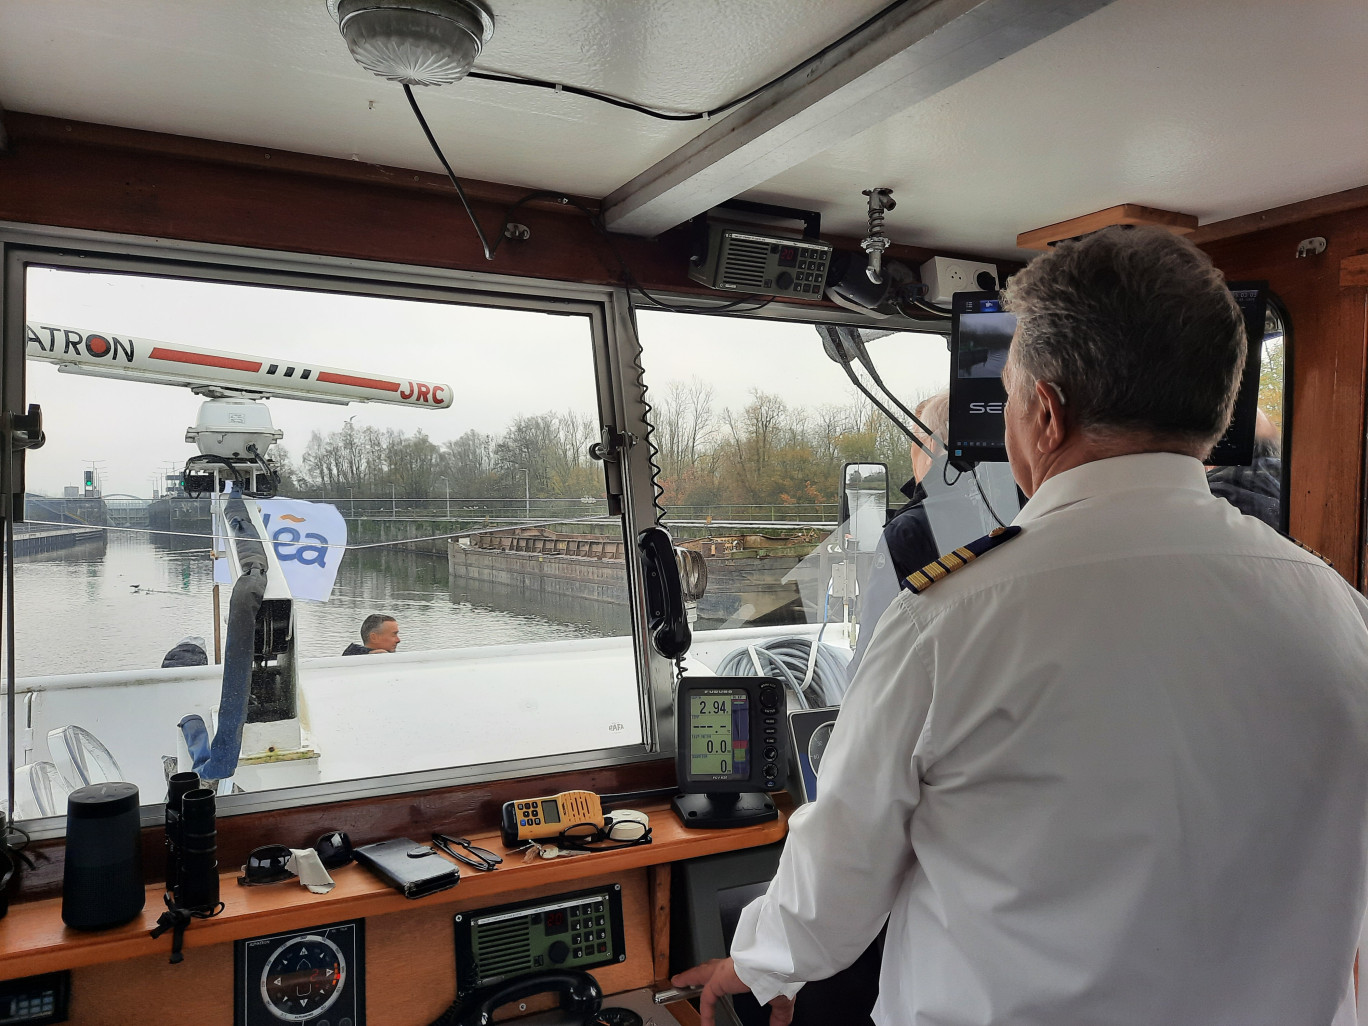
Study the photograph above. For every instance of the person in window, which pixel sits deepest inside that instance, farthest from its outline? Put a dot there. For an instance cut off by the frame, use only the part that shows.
(1113, 768)
(1255, 490)
(379, 633)
(908, 543)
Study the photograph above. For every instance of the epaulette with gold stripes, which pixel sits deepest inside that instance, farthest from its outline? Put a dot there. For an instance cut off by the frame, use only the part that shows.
(928, 575)
(1308, 548)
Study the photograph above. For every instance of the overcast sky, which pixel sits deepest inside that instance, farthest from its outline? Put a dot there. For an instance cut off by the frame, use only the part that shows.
(499, 363)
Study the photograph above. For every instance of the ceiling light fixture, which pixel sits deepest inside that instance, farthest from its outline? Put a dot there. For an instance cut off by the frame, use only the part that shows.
(416, 42)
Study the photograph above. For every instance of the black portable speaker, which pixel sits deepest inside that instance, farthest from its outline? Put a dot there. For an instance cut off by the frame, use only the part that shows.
(102, 883)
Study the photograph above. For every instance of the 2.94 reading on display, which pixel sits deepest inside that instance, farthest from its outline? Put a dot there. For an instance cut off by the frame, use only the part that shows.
(719, 735)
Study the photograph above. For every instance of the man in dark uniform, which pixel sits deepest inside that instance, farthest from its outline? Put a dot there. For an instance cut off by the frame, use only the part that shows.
(908, 542)
(380, 634)
(1255, 490)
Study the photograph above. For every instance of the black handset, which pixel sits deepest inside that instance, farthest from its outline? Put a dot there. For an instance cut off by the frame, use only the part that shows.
(579, 993)
(670, 635)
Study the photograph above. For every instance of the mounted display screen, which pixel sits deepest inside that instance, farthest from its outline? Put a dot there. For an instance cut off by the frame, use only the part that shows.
(719, 734)
(980, 336)
(729, 737)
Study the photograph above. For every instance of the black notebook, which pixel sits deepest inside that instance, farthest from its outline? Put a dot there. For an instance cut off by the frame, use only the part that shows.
(411, 868)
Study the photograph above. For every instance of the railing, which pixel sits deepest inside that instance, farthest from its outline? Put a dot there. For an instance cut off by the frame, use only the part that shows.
(495, 510)
(499, 510)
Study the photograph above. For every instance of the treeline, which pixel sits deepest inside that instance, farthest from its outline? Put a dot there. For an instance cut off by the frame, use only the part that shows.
(768, 452)
(369, 462)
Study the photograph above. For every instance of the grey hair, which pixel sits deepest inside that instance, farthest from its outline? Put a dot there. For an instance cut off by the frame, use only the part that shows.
(1137, 329)
(371, 624)
(934, 412)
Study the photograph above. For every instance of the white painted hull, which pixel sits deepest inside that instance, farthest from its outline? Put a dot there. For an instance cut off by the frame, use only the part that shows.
(378, 715)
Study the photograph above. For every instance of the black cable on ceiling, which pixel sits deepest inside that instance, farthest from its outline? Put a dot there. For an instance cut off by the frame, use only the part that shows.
(664, 115)
(629, 279)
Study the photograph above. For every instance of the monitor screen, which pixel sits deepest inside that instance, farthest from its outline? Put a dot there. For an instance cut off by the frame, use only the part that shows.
(719, 734)
(980, 335)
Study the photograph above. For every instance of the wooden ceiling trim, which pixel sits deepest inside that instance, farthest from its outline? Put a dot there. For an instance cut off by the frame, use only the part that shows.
(97, 177)
(34, 128)
(1131, 214)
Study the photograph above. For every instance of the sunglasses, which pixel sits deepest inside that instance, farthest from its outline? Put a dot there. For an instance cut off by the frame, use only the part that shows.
(626, 834)
(463, 851)
(269, 863)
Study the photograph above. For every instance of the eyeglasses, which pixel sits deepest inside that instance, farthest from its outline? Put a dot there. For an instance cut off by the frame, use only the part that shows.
(463, 851)
(269, 863)
(624, 834)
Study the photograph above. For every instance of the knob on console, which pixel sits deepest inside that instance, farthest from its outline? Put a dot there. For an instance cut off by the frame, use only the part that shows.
(558, 952)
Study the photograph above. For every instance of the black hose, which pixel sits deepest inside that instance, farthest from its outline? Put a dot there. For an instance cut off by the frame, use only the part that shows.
(248, 593)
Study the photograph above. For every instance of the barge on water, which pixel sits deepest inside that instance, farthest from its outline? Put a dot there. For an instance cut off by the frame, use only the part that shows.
(753, 577)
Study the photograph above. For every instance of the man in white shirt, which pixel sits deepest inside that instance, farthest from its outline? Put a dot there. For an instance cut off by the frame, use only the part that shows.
(1115, 769)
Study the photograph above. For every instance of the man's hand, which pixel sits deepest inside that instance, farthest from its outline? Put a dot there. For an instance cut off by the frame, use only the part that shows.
(718, 977)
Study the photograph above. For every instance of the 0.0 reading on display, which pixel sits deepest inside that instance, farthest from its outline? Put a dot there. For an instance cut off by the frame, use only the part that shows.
(719, 735)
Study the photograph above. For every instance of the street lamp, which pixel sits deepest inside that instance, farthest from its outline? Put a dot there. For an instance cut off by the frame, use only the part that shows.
(527, 492)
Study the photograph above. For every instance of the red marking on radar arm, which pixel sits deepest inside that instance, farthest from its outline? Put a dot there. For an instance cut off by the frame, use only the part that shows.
(204, 360)
(354, 382)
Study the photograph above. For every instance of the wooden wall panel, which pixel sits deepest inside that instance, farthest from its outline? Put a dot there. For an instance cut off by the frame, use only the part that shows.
(77, 175)
(1330, 371)
(463, 810)
(410, 969)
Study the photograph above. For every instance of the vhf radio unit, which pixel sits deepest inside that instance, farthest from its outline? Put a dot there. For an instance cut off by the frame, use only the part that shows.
(741, 259)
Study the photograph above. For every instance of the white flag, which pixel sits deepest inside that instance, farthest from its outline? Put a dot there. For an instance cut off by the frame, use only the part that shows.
(309, 538)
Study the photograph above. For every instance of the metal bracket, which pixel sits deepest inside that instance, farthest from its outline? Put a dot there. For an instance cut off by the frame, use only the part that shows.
(611, 445)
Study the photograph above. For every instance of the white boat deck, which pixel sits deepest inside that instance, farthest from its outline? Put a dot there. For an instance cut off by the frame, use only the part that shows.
(378, 715)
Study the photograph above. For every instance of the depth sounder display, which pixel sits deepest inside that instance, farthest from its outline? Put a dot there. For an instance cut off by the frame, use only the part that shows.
(719, 734)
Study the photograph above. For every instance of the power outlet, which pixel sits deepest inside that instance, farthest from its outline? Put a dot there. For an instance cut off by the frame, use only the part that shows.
(944, 276)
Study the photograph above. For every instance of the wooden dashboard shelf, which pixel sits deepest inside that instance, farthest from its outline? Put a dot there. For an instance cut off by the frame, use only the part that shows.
(33, 938)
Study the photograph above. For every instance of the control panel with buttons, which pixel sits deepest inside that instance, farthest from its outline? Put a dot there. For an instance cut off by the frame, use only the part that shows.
(533, 818)
(577, 930)
(35, 999)
(765, 265)
(771, 709)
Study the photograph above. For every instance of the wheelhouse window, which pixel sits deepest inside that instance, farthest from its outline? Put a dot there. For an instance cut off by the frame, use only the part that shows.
(777, 475)
(1260, 489)
(469, 512)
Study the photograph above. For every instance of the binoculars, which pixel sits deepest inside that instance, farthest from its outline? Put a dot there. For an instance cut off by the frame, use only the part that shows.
(191, 844)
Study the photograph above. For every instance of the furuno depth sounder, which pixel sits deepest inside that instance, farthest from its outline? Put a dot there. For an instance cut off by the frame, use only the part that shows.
(730, 750)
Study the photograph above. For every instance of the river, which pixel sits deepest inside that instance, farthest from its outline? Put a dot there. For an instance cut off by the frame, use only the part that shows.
(124, 605)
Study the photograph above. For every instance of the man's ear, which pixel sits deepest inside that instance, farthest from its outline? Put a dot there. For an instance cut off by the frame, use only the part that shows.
(1051, 419)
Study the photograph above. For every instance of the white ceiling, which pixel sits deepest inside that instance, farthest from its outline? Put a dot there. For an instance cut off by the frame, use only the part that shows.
(1216, 108)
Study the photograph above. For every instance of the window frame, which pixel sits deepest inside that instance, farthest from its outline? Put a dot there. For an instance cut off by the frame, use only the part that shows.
(620, 407)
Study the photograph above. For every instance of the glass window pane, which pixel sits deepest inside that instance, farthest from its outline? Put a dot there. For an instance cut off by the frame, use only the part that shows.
(480, 527)
(1257, 490)
(781, 475)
